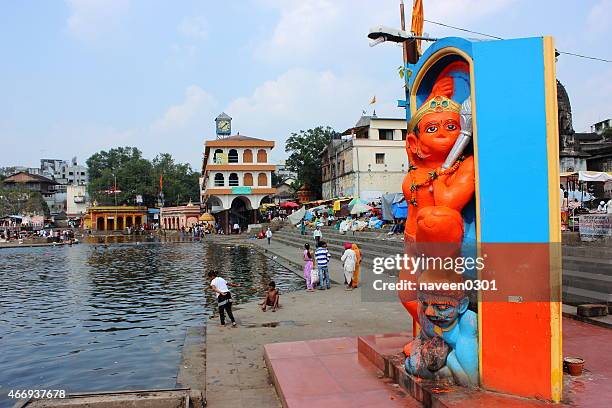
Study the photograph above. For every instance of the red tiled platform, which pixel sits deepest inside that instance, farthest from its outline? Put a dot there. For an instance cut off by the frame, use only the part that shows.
(347, 371)
(594, 344)
(330, 373)
(592, 389)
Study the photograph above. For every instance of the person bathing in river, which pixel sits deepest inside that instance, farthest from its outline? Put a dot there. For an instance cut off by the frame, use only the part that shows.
(272, 298)
(224, 297)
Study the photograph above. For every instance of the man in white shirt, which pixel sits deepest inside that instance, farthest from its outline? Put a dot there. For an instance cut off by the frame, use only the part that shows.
(602, 208)
(224, 297)
(269, 235)
(317, 234)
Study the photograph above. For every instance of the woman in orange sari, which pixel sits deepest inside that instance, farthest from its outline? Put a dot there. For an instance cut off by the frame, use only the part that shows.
(357, 265)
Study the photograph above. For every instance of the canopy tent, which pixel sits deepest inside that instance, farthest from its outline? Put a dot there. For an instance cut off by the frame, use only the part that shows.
(355, 201)
(388, 201)
(322, 207)
(207, 217)
(594, 176)
(344, 210)
(338, 203)
(400, 209)
(297, 216)
(585, 175)
(289, 204)
(359, 208)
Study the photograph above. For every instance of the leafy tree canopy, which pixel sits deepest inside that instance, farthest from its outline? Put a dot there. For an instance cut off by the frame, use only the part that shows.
(304, 148)
(136, 175)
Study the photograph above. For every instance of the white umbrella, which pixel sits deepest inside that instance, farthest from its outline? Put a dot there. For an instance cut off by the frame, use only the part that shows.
(359, 208)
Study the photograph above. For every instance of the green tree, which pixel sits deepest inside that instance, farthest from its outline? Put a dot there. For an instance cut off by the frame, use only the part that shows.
(180, 182)
(132, 172)
(136, 175)
(304, 149)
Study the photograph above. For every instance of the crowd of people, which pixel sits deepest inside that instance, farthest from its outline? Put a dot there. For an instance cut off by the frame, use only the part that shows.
(46, 235)
(316, 265)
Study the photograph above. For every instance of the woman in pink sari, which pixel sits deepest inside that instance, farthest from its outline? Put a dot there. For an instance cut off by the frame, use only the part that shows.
(308, 267)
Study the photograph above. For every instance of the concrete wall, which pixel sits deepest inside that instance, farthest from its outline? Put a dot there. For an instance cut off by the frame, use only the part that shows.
(572, 164)
(76, 200)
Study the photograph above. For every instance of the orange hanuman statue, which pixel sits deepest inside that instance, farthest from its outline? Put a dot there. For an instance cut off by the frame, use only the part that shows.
(437, 188)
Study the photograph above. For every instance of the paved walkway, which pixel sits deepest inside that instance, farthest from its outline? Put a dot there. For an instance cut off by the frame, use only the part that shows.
(236, 374)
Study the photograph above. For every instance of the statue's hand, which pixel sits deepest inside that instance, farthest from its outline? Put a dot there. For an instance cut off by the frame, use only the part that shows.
(434, 353)
(444, 86)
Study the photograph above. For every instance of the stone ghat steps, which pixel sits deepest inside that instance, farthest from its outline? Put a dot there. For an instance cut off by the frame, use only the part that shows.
(586, 287)
(335, 246)
(588, 252)
(377, 247)
(587, 270)
(335, 250)
(362, 236)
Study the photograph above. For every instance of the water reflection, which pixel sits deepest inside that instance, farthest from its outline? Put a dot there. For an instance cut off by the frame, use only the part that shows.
(104, 317)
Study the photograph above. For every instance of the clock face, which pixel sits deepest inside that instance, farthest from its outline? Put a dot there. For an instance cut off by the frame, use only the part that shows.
(223, 126)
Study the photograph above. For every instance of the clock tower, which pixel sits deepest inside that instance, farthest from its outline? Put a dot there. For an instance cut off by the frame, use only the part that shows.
(223, 125)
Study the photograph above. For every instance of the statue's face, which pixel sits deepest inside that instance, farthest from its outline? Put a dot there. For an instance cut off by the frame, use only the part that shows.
(441, 311)
(438, 132)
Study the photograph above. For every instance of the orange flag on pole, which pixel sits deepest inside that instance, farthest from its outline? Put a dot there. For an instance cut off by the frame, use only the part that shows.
(417, 21)
(161, 183)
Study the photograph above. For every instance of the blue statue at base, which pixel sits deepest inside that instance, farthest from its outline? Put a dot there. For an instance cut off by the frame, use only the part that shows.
(447, 344)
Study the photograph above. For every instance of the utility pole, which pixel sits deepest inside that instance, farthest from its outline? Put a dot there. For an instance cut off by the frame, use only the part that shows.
(411, 54)
(403, 27)
(115, 194)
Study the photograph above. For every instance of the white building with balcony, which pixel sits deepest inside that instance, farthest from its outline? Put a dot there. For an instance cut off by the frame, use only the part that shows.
(367, 160)
(236, 178)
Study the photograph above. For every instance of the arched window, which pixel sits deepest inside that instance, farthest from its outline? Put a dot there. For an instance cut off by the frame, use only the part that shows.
(233, 180)
(232, 156)
(262, 179)
(247, 156)
(219, 180)
(262, 156)
(216, 157)
(248, 179)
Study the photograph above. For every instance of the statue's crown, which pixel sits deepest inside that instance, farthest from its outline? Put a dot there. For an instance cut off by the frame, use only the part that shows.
(436, 104)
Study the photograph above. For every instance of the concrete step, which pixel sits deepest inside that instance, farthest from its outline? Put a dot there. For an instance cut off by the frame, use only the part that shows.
(588, 281)
(381, 247)
(335, 250)
(576, 296)
(587, 252)
(336, 247)
(586, 278)
(589, 266)
(371, 238)
(604, 262)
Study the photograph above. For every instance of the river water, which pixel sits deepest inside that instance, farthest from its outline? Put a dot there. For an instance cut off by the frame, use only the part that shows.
(110, 317)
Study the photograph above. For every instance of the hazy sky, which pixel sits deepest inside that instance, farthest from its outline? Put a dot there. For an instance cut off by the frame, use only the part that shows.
(78, 76)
